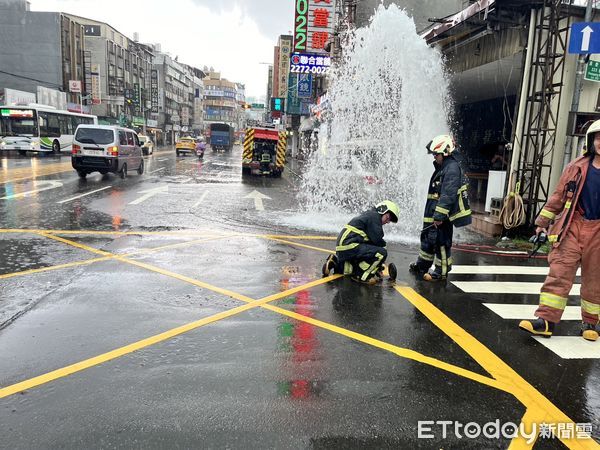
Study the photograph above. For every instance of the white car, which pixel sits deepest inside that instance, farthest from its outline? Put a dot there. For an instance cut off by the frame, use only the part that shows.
(147, 144)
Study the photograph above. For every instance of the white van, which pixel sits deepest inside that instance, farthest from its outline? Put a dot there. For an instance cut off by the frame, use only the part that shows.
(106, 148)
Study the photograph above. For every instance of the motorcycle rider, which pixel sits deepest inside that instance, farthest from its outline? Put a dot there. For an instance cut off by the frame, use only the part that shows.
(200, 147)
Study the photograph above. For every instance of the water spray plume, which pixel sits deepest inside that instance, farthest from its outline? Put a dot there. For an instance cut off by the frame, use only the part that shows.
(387, 99)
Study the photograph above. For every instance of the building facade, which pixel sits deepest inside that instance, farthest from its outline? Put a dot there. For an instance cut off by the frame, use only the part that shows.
(220, 105)
(176, 96)
(41, 51)
(119, 68)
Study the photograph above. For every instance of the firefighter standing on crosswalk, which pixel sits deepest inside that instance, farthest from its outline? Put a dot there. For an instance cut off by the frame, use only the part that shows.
(574, 211)
(447, 206)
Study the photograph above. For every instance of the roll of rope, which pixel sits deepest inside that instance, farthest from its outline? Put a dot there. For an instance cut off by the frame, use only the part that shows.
(512, 214)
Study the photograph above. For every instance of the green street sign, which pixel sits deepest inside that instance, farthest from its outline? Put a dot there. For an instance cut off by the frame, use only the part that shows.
(258, 106)
(592, 71)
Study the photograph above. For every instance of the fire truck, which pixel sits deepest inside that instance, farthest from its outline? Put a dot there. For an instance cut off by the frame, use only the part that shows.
(264, 151)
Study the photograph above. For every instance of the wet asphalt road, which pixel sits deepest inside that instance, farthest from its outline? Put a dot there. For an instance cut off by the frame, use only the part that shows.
(170, 310)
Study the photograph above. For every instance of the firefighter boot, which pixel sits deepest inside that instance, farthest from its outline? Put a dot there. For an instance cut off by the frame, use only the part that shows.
(416, 269)
(330, 265)
(433, 276)
(538, 327)
(588, 332)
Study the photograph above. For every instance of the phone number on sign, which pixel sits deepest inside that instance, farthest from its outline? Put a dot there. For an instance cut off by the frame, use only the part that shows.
(308, 69)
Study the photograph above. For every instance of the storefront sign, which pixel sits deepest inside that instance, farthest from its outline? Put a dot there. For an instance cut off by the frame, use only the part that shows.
(285, 47)
(309, 63)
(592, 71)
(313, 25)
(95, 79)
(154, 90)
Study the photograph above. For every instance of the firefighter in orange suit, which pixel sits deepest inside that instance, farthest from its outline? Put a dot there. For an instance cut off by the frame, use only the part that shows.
(573, 214)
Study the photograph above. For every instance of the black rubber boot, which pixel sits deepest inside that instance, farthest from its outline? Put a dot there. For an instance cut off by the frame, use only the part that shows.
(330, 265)
(538, 327)
(416, 269)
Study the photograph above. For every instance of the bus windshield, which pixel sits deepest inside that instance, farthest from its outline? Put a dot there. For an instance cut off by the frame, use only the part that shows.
(18, 123)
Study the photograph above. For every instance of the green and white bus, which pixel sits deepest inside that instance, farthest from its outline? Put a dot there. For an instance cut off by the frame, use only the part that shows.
(39, 128)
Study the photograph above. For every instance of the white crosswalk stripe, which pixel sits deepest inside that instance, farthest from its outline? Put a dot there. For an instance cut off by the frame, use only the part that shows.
(571, 347)
(504, 287)
(566, 347)
(519, 312)
(501, 270)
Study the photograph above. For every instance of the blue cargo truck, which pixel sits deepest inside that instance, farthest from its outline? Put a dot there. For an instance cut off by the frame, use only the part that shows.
(221, 136)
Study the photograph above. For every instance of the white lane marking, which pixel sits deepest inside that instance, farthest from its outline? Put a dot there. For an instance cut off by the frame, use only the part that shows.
(158, 170)
(49, 184)
(502, 270)
(504, 287)
(258, 199)
(201, 199)
(84, 194)
(517, 311)
(571, 347)
(149, 193)
(163, 159)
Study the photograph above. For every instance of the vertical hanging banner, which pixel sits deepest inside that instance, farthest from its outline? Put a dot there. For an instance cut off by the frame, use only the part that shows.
(313, 25)
(96, 86)
(285, 44)
(154, 91)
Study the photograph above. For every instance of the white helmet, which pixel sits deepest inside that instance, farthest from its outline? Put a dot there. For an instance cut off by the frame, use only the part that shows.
(589, 137)
(442, 144)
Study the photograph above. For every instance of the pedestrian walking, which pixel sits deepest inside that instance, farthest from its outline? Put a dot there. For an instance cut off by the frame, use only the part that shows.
(572, 214)
(360, 249)
(447, 207)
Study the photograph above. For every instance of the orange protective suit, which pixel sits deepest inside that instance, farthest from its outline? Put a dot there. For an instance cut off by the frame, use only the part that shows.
(575, 242)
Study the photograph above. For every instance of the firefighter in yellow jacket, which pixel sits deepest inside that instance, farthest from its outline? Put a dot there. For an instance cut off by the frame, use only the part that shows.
(573, 214)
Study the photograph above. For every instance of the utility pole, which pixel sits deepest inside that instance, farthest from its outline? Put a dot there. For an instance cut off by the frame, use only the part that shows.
(581, 61)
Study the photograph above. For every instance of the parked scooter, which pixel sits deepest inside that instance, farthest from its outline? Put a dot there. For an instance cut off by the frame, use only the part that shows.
(200, 148)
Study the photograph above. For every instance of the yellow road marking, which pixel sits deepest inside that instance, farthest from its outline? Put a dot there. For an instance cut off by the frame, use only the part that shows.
(106, 258)
(505, 378)
(530, 418)
(27, 173)
(57, 267)
(90, 362)
(297, 244)
(399, 351)
(538, 406)
(158, 233)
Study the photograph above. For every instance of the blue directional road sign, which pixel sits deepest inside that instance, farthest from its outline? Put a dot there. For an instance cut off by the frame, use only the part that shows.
(585, 38)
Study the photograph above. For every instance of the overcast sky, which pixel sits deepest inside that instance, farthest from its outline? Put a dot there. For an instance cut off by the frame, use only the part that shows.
(233, 36)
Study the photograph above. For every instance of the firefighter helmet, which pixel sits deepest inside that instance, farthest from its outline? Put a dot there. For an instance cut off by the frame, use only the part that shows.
(589, 137)
(388, 206)
(442, 144)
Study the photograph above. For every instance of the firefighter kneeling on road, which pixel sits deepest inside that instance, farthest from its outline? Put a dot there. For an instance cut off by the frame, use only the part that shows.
(574, 207)
(360, 249)
(447, 207)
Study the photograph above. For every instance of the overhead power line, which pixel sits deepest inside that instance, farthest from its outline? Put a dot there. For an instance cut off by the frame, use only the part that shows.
(31, 79)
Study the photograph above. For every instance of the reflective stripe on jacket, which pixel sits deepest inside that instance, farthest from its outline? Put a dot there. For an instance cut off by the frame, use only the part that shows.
(366, 227)
(560, 205)
(447, 198)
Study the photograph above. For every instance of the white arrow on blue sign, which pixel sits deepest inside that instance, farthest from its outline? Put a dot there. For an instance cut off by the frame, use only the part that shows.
(585, 38)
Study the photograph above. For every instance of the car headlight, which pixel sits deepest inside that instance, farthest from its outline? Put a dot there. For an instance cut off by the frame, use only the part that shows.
(2, 144)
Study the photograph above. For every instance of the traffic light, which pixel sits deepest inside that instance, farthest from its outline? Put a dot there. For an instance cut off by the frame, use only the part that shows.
(277, 104)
